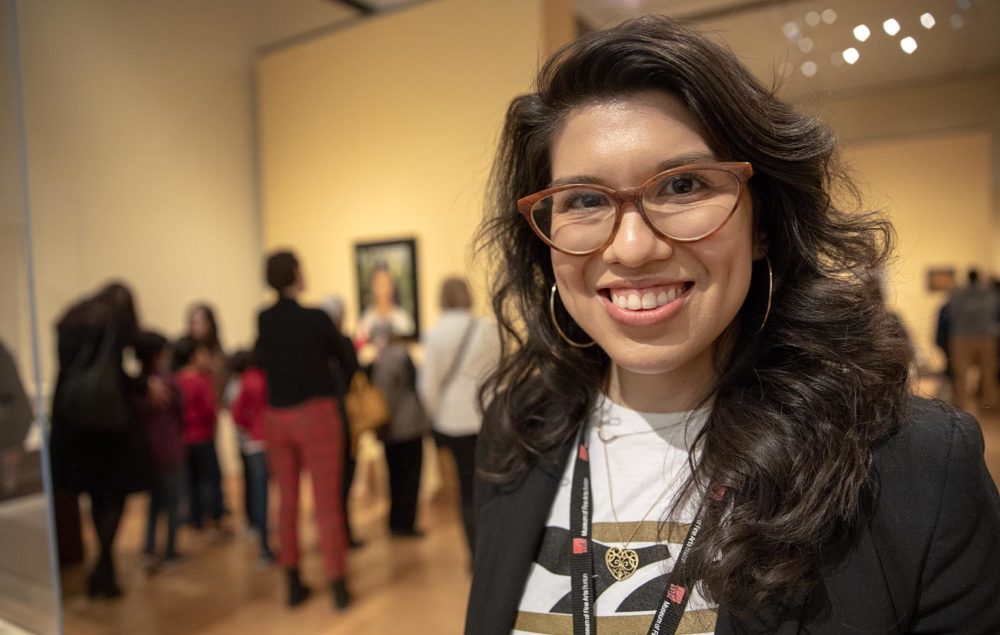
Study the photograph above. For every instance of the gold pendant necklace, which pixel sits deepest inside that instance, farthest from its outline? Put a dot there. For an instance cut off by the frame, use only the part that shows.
(622, 561)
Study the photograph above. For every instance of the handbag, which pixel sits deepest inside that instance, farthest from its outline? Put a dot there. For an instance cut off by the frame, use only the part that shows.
(91, 395)
(367, 408)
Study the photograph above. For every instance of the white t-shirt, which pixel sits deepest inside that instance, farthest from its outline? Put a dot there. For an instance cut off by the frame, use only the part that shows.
(648, 470)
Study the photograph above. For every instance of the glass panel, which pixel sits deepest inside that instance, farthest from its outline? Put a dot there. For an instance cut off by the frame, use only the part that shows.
(28, 586)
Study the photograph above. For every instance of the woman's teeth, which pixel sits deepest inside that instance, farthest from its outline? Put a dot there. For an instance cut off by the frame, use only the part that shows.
(640, 301)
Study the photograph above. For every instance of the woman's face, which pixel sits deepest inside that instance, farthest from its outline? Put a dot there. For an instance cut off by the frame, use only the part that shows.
(383, 287)
(663, 356)
(199, 326)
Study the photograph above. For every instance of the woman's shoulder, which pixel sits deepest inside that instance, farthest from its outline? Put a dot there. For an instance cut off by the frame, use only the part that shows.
(936, 522)
(933, 435)
(931, 476)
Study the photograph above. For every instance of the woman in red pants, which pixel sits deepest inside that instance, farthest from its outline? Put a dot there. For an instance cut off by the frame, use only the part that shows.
(304, 430)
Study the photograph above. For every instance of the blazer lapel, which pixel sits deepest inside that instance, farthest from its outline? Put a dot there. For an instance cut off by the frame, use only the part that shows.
(510, 527)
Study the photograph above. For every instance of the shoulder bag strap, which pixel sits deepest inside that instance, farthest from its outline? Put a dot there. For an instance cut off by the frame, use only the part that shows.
(450, 375)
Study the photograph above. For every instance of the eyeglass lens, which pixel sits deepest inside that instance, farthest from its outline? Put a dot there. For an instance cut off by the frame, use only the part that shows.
(684, 206)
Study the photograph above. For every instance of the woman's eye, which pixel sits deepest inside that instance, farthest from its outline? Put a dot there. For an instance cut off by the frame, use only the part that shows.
(585, 201)
(680, 185)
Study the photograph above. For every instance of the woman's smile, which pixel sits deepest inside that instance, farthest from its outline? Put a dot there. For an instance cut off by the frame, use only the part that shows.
(644, 303)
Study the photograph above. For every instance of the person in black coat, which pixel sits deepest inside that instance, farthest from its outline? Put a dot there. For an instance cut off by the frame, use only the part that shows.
(105, 460)
(16, 415)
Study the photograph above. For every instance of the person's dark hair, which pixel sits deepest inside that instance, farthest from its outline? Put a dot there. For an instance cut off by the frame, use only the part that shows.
(148, 346)
(798, 407)
(242, 360)
(118, 300)
(455, 294)
(213, 342)
(973, 276)
(184, 350)
(281, 269)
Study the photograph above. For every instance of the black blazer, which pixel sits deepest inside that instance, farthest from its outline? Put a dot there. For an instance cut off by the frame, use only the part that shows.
(924, 559)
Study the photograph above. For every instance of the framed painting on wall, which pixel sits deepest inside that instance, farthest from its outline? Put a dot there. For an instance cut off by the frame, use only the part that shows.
(940, 278)
(387, 287)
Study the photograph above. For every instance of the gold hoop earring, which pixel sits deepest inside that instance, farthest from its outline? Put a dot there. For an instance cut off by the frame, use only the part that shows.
(770, 292)
(555, 323)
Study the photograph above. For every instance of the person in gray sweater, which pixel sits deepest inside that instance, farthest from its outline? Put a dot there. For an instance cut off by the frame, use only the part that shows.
(394, 374)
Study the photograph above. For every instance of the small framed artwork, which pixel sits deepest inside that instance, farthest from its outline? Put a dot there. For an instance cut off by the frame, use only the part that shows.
(387, 287)
(940, 278)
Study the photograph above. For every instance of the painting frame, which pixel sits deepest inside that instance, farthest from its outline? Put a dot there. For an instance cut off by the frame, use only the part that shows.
(941, 278)
(397, 257)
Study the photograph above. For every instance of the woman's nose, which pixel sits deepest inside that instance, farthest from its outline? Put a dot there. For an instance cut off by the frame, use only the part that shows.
(635, 242)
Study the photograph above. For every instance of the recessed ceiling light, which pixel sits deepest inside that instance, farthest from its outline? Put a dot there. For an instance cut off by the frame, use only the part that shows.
(891, 26)
(791, 31)
(806, 44)
(927, 20)
(957, 21)
(861, 33)
(812, 18)
(851, 55)
(829, 16)
(809, 68)
(964, 4)
(908, 44)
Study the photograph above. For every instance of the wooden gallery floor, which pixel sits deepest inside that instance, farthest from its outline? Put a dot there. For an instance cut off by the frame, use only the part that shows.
(413, 586)
(400, 585)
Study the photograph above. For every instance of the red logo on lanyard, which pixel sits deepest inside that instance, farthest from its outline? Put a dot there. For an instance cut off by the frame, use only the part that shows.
(579, 546)
(676, 593)
(584, 455)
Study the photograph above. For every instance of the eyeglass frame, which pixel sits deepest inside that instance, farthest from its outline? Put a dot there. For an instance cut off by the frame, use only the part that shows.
(742, 170)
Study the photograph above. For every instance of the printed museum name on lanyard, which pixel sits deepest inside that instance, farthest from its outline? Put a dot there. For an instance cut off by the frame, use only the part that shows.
(583, 596)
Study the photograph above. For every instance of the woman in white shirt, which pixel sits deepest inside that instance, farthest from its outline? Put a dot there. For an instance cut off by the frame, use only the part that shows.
(458, 354)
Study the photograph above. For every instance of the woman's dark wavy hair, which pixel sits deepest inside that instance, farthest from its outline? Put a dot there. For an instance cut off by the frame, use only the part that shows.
(797, 407)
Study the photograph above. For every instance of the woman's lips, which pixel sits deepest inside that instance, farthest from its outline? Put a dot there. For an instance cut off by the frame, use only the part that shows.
(642, 306)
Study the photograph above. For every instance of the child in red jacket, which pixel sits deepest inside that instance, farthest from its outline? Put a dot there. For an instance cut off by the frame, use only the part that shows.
(198, 395)
(248, 413)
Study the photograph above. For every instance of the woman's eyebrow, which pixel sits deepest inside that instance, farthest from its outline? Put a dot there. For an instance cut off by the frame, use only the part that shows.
(680, 160)
(689, 158)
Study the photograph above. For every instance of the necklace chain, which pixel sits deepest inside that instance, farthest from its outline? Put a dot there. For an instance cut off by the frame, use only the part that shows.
(624, 549)
(608, 438)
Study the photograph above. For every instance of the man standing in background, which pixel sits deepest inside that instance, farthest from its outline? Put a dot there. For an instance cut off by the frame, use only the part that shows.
(972, 316)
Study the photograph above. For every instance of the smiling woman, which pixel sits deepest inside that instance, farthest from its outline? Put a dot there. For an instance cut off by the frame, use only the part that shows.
(701, 422)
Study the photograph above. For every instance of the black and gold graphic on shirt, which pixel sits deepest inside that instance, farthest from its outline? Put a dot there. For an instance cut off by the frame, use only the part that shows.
(647, 596)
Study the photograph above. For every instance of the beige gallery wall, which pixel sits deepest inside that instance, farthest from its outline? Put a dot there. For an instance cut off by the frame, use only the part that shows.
(929, 152)
(14, 318)
(386, 130)
(936, 190)
(139, 123)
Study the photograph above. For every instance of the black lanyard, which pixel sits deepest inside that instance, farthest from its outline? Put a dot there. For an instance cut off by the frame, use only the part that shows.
(582, 578)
